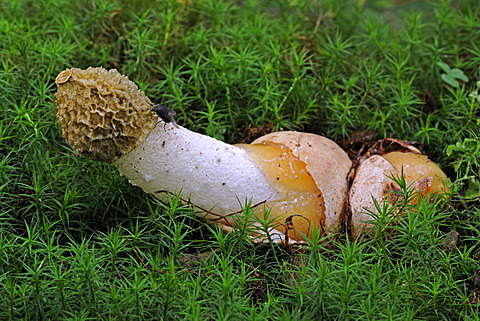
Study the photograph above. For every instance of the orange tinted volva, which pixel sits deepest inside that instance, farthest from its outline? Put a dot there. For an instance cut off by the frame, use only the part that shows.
(303, 206)
(426, 176)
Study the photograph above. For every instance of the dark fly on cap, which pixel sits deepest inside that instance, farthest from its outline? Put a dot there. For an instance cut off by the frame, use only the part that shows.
(165, 114)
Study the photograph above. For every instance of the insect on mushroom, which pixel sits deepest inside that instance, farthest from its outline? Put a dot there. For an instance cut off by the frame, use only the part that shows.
(165, 114)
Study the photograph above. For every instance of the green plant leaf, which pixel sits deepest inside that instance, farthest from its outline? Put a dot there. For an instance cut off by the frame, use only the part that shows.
(473, 190)
(450, 149)
(458, 74)
(450, 80)
(444, 67)
(474, 94)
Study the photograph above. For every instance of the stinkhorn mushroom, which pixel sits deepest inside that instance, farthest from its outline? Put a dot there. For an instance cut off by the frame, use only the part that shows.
(299, 178)
(374, 180)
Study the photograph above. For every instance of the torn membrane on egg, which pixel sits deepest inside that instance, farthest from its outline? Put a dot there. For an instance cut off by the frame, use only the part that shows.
(328, 167)
(302, 208)
(373, 180)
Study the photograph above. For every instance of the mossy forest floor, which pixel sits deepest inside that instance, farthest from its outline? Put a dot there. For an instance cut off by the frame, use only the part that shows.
(78, 242)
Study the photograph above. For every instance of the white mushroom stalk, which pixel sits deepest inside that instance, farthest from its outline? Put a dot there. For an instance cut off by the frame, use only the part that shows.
(104, 116)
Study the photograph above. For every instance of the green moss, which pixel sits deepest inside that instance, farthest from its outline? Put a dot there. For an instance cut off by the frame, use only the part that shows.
(76, 239)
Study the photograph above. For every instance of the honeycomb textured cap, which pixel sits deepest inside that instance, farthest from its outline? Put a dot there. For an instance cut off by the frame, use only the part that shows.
(102, 113)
